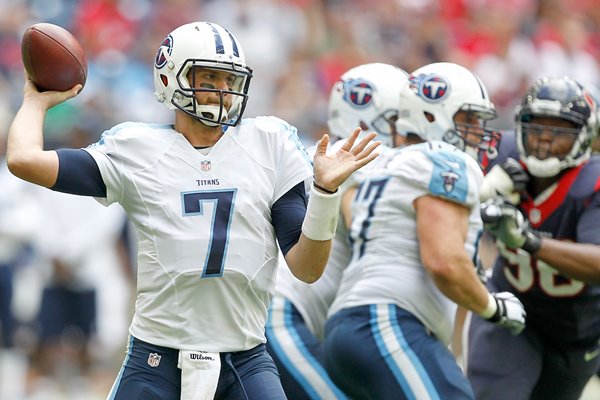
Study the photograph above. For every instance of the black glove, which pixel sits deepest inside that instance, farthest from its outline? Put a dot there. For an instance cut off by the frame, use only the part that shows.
(517, 174)
(507, 224)
(510, 313)
(508, 180)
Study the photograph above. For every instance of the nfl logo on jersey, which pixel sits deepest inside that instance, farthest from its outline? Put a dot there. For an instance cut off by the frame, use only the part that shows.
(205, 165)
(153, 360)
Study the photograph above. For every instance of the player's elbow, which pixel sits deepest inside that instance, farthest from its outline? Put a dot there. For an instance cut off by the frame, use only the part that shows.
(443, 270)
(308, 276)
(29, 166)
(18, 164)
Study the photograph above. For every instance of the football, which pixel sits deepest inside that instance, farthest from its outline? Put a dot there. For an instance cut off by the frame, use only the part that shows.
(53, 57)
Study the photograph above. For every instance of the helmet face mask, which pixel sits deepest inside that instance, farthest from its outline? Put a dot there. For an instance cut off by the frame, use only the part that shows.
(445, 101)
(366, 96)
(210, 47)
(556, 124)
(549, 139)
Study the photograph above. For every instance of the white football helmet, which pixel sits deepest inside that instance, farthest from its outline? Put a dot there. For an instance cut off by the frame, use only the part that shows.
(366, 96)
(432, 97)
(207, 45)
(563, 98)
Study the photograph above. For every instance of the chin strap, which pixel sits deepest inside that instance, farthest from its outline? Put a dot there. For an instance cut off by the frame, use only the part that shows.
(210, 113)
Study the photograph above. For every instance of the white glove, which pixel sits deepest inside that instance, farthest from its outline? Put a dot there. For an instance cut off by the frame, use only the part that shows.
(508, 180)
(507, 224)
(510, 313)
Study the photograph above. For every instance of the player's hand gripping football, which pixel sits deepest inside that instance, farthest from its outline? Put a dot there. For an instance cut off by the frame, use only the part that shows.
(508, 180)
(510, 313)
(47, 99)
(508, 225)
(331, 170)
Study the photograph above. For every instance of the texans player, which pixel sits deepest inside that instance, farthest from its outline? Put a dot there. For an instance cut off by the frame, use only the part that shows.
(213, 198)
(548, 250)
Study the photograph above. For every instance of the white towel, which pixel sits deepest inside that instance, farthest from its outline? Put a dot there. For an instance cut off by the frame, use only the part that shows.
(199, 374)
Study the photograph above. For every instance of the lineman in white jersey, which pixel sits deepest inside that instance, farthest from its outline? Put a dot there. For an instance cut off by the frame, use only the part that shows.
(365, 96)
(211, 198)
(414, 228)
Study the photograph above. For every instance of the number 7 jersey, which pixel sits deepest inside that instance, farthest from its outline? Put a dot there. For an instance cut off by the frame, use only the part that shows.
(207, 252)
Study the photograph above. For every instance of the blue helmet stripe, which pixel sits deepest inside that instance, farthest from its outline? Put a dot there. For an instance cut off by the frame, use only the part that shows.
(219, 48)
(234, 43)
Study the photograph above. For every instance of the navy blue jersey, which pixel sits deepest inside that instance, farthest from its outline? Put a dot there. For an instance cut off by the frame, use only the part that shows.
(563, 310)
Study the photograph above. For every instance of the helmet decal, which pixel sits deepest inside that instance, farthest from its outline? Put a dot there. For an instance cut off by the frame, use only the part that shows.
(587, 96)
(165, 47)
(432, 88)
(358, 92)
(367, 96)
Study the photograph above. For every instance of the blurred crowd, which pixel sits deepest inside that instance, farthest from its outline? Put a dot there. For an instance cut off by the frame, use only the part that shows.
(298, 49)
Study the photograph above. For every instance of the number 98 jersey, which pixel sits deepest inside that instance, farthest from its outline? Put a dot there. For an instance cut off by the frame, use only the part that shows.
(563, 309)
(207, 252)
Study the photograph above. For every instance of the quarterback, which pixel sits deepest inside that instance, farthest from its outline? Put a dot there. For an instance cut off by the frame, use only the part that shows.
(214, 198)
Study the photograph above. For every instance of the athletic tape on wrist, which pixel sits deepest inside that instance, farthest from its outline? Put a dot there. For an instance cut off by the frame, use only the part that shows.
(322, 214)
(491, 308)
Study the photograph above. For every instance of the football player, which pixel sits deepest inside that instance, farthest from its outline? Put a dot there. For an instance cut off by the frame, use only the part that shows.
(415, 224)
(365, 96)
(213, 198)
(548, 248)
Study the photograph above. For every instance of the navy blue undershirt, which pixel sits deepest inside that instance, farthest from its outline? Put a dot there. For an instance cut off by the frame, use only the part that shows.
(78, 173)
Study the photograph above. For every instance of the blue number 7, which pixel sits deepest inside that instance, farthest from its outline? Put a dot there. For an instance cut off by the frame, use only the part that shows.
(193, 204)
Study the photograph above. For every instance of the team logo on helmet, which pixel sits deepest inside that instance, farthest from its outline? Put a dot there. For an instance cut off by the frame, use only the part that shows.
(358, 92)
(166, 48)
(432, 88)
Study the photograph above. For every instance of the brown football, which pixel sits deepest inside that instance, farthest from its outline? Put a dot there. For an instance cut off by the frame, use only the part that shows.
(53, 57)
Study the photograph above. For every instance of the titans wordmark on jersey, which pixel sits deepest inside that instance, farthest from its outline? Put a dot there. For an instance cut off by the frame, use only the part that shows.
(207, 253)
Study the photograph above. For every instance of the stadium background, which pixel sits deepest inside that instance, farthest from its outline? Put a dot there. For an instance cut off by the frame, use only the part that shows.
(297, 48)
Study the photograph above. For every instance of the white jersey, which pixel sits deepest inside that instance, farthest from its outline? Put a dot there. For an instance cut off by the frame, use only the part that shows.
(386, 266)
(313, 300)
(207, 251)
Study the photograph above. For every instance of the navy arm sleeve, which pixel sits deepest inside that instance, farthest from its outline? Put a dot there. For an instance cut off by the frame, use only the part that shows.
(78, 174)
(287, 215)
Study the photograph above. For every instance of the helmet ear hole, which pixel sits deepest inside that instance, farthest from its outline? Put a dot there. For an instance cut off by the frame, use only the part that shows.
(164, 80)
(430, 117)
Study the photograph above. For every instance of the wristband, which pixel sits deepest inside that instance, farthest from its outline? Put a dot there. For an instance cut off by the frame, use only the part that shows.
(490, 309)
(320, 221)
(323, 189)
